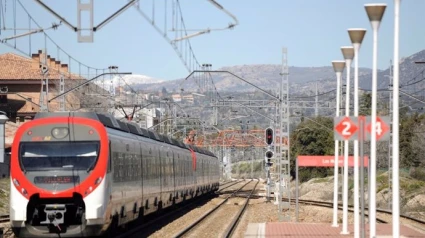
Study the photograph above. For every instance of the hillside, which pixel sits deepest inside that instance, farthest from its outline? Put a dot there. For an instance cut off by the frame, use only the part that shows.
(408, 71)
(302, 79)
(264, 76)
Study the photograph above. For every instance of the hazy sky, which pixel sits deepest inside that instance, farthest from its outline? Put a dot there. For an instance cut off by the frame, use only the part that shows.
(312, 30)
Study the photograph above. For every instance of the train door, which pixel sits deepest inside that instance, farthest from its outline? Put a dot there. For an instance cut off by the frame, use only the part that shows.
(167, 185)
(194, 169)
(175, 170)
(141, 169)
(158, 174)
(147, 175)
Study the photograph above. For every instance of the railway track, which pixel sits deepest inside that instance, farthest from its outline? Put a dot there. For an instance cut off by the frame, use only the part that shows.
(4, 219)
(330, 205)
(232, 227)
(350, 209)
(140, 229)
(233, 224)
(228, 184)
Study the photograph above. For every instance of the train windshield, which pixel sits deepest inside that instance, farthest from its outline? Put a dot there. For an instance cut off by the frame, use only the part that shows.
(36, 156)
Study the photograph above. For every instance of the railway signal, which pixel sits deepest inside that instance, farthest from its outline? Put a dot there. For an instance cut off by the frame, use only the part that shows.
(269, 155)
(269, 136)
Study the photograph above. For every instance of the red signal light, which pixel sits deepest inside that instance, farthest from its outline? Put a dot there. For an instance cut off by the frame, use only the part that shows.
(269, 136)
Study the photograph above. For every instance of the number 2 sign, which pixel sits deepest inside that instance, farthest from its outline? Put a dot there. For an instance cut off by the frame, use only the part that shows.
(345, 128)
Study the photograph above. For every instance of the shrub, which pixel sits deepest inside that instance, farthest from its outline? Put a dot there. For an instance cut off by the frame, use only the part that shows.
(417, 173)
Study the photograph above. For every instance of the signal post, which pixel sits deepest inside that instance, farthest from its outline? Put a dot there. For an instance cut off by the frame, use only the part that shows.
(268, 159)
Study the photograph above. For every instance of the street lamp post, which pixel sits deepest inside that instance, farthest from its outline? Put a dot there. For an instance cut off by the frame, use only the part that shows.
(375, 13)
(395, 162)
(356, 37)
(348, 53)
(338, 68)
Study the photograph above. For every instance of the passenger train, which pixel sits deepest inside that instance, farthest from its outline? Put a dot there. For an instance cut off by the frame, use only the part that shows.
(80, 173)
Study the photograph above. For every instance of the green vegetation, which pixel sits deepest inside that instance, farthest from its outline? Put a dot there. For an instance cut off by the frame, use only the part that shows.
(320, 180)
(243, 169)
(418, 173)
(314, 136)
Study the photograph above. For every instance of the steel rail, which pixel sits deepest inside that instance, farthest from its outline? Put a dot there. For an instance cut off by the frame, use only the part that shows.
(190, 203)
(229, 231)
(328, 204)
(199, 220)
(147, 224)
(234, 183)
(4, 218)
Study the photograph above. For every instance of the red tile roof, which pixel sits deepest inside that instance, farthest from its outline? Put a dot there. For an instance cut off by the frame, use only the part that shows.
(16, 67)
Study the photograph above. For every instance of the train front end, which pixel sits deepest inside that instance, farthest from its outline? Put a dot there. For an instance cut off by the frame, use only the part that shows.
(58, 178)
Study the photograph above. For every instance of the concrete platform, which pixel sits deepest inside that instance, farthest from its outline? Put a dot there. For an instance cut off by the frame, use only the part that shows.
(310, 230)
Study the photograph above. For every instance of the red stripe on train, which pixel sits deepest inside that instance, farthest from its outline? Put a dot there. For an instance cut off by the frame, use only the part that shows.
(193, 159)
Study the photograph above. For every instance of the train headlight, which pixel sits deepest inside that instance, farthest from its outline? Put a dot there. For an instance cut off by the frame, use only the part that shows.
(98, 180)
(59, 132)
(24, 192)
(16, 182)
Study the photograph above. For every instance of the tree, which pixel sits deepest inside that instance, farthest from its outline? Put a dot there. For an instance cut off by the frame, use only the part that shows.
(409, 152)
(365, 104)
(312, 137)
(418, 143)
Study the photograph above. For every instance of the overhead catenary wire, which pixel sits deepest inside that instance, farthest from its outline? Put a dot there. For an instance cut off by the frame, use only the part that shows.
(176, 48)
(46, 35)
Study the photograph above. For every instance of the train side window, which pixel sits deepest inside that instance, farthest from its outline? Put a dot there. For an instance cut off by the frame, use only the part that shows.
(110, 158)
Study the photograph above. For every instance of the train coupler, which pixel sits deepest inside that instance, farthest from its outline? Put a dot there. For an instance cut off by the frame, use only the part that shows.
(55, 214)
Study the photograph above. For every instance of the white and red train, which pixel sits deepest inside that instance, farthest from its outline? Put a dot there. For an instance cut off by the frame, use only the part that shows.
(79, 173)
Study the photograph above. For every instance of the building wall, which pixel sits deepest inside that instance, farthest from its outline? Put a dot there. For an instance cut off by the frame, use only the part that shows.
(5, 167)
(22, 88)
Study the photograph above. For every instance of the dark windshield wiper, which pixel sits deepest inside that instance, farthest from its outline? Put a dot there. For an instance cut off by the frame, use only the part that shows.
(91, 167)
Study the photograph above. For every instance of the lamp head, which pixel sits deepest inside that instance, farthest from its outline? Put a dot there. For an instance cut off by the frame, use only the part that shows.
(356, 35)
(338, 65)
(375, 11)
(347, 52)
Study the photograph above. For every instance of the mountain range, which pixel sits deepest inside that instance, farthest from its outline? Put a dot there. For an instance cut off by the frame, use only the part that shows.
(303, 80)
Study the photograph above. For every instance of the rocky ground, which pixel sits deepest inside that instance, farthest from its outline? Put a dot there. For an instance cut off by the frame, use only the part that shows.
(4, 196)
(412, 193)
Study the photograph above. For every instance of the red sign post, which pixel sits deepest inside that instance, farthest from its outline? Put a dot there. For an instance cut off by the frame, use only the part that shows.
(327, 161)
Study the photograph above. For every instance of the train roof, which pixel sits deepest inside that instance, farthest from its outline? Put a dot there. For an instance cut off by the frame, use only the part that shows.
(129, 127)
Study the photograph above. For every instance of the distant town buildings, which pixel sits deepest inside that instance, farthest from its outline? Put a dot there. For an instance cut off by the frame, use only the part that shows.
(176, 97)
(20, 86)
